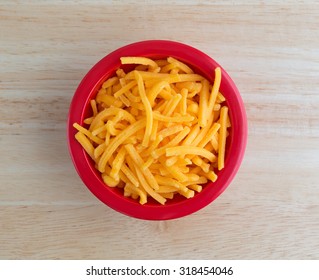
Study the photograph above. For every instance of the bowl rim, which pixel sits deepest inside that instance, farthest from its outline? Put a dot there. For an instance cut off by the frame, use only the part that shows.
(106, 67)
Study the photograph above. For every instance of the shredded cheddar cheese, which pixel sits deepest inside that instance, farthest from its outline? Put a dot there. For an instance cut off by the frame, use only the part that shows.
(157, 131)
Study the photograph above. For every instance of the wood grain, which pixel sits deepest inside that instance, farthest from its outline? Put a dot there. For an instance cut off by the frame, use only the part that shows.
(270, 49)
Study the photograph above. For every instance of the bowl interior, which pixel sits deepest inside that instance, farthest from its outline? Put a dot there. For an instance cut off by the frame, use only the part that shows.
(81, 109)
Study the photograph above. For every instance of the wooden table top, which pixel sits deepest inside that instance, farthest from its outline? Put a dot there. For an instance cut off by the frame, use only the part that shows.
(269, 48)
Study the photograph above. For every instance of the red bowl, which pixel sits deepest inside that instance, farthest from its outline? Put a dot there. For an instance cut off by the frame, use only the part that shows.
(179, 206)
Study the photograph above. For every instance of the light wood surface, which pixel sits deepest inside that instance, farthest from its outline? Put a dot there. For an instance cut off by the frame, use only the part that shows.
(270, 49)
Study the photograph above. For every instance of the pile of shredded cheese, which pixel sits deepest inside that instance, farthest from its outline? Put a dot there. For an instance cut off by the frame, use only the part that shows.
(157, 131)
